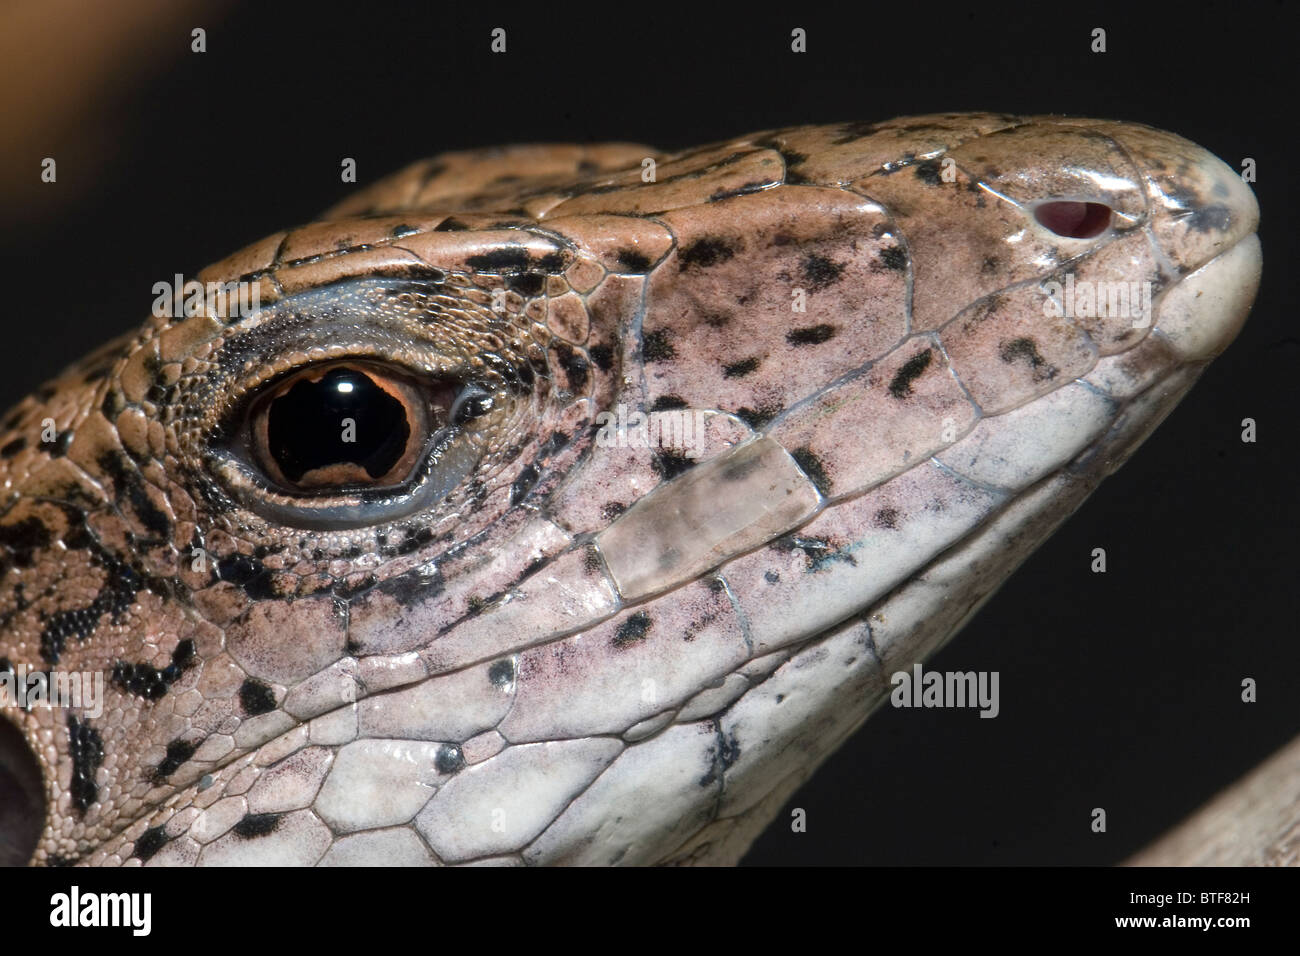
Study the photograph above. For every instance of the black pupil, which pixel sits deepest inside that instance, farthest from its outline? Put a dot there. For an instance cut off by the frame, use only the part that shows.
(342, 418)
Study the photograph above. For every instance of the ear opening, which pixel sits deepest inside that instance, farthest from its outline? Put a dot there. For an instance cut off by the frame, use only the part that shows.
(22, 798)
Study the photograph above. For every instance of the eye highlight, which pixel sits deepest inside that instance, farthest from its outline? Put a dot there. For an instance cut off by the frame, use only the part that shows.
(1073, 219)
(345, 425)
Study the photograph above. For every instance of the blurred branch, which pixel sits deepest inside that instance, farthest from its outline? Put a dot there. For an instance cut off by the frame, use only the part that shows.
(67, 68)
(1255, 822)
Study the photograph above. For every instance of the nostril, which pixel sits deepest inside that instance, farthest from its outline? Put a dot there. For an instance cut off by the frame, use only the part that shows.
(22, 798)
(1072, 219)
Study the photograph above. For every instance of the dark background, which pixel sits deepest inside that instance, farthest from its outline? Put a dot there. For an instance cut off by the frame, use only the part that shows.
(1120, 690)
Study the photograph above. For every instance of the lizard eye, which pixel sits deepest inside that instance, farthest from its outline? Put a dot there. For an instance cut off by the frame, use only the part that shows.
(341, 444)
(346, 425)
(1073, 219)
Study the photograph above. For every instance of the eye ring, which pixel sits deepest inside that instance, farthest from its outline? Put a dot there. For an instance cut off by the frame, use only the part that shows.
(1074, 219)
(316, 471)
(337, 426)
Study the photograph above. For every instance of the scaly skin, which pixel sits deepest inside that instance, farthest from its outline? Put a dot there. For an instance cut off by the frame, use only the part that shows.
(586, 653)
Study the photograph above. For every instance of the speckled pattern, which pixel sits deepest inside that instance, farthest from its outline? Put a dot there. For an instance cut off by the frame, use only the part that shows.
(584, 653)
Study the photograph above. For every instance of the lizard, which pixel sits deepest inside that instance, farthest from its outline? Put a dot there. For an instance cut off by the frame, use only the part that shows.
(569, 504)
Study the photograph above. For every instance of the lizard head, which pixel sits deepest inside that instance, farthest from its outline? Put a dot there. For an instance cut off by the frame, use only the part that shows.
(539, 482)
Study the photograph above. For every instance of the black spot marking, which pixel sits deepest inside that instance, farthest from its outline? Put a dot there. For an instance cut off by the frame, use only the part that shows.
(990, 265)
(817, 552)
(256, 825)
(529, 284)
(603, 356)
(820, 272)
(894, 258)
(185, 654)
(507, 258)
(1210, 219)
(552, 445)
(1026, 350)
(551, 263)
(912, 369)
(414, 540)
(632, 260)
(86, 749)
(747, 189)
(450, 224)
(812, 467)
(145, 680)
(417, 584)
(150, 842)
(740, 369)
(849, 132)
(771, 577)
(887, 518)
(668, 465)
(726, 753)
(812, 335)
(523, 484)
(657, 346)
(502, 672)
(757, 418)
(23, 539)
(248, 573)
(667, 403)
(929, 172)
(256, 697)
(792, 159)
(402, 229)
(12, 448)
(350, 589)
(574, 364)
(449, 759)
(632, 630)
(705, 252)
(178, 751)
(730, 751)
(116, 595)
(127, 481)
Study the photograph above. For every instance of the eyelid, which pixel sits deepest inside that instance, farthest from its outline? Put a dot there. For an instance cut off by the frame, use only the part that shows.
(429, 331)
(441, 470)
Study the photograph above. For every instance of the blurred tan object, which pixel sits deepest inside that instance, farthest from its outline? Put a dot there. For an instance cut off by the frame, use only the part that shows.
(1255, 822)
(67, 70)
